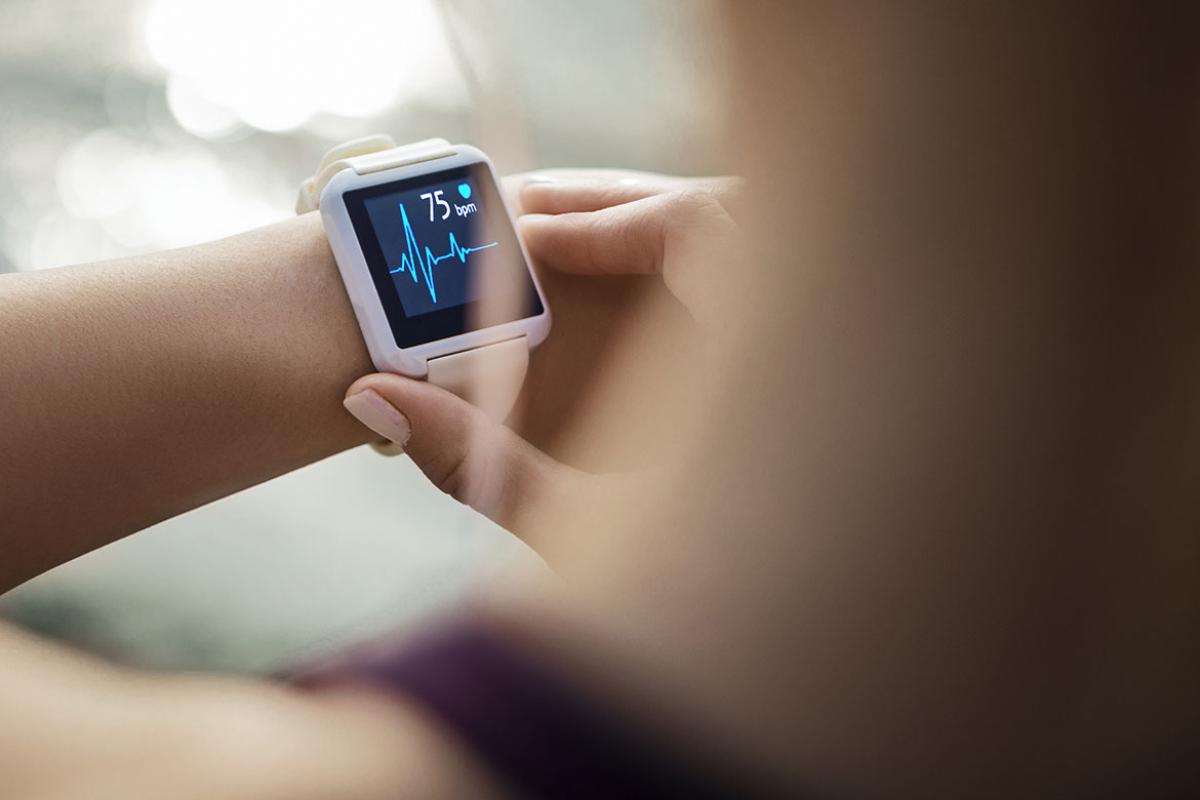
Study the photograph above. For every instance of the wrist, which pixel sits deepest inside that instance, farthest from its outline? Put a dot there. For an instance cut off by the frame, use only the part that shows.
(140, 388)
(306, 342)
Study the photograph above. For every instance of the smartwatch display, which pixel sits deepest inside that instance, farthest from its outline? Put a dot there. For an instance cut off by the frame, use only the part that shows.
(430, 241)
(438, 277)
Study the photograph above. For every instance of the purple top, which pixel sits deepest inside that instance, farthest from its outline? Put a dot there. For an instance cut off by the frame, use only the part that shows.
(541, 736)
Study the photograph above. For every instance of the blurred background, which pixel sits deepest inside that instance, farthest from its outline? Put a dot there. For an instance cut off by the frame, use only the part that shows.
(134, 125)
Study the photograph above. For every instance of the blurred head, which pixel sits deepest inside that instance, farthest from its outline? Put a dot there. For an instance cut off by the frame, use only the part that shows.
(931, 510)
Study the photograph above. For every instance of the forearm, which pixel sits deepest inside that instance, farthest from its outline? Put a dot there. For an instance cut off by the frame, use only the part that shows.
(72, 726)
(137, 389)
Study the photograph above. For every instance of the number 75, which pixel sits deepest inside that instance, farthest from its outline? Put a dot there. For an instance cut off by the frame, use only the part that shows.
(436, 198)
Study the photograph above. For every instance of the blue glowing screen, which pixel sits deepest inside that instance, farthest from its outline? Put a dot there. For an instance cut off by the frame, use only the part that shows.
(434, 245)
(435, 239)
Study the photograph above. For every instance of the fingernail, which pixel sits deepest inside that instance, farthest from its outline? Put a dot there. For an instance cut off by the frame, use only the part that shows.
(369, 408)
(542, 179)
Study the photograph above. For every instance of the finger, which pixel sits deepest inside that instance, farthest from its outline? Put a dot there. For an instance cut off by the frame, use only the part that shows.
(624, 239)
(516, 185)
(631, 238)
(566, 191)
(546, 193)
(477, 461)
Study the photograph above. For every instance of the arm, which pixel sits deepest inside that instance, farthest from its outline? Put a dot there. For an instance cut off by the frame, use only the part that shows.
(72, 726)
(135, 390)
(277, 347)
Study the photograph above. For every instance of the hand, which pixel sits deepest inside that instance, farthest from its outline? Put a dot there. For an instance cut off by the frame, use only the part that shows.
(600, 297)
(582, 230)
(627, 223)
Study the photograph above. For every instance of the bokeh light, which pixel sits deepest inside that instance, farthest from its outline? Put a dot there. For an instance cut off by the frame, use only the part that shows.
(145, 195)
(276, 64)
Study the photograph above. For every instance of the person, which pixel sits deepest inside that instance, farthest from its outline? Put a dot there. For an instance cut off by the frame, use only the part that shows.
(902, 503)
(283, 366)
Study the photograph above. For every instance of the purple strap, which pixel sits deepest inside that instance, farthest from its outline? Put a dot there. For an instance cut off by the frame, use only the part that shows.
(538, 734)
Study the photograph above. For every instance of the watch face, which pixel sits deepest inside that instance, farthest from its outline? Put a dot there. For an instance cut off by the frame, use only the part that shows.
(443, 254)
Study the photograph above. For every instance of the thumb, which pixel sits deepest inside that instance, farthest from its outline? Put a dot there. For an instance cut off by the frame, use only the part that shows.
(464, 453)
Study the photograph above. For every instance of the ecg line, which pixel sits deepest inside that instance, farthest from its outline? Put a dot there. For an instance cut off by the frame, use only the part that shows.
(412, 261)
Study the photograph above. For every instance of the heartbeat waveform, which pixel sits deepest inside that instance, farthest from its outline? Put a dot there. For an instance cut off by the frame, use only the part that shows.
(422, 268)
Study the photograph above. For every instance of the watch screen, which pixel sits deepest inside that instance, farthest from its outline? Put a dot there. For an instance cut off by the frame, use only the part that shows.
(443, 254)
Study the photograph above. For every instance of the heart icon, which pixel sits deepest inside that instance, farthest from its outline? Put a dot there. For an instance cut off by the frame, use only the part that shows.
(465, 190)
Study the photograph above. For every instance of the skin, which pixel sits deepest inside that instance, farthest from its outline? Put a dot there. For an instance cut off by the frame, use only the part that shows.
(130, 423)
(75, 727)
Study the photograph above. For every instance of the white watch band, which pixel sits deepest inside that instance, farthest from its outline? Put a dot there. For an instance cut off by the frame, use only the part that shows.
(490, 377)
(364, 156)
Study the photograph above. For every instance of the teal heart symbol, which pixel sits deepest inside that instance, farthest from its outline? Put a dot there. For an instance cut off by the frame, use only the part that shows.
(465, 190)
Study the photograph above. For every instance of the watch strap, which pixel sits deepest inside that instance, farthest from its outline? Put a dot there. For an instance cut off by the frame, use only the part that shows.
(364, 156)
(488, 377)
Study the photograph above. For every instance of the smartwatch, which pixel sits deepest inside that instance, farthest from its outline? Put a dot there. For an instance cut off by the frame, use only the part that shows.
(438, 277)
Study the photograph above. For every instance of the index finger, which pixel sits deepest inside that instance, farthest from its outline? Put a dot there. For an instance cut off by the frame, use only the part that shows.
(547, 193)
(534, 192)
(625, 239)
